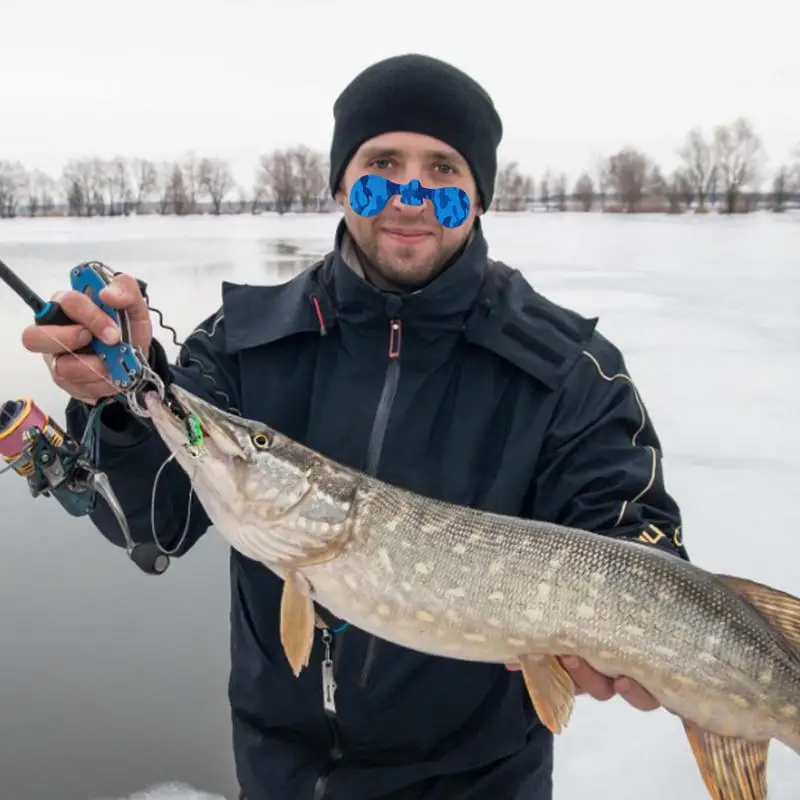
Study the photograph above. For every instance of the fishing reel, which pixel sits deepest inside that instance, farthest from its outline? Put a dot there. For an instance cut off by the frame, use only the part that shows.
(55, 465)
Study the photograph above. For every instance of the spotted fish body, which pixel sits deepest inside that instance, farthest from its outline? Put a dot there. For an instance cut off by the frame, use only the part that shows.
(459, 583)
(722, 653)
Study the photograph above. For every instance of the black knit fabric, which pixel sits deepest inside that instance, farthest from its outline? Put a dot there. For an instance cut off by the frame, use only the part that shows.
(418, 94)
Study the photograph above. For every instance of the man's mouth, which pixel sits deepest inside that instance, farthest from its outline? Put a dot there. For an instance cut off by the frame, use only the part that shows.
(407, 235)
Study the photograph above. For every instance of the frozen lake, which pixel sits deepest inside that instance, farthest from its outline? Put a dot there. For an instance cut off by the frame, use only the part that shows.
(112, 681)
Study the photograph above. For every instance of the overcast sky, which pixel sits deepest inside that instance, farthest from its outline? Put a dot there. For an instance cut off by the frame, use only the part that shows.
(234, 78)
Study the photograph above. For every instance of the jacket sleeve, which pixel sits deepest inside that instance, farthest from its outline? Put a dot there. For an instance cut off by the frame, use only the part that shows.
(131, 452)
(601, 468)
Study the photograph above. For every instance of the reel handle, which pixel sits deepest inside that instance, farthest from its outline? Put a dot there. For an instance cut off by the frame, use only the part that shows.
(148, 558)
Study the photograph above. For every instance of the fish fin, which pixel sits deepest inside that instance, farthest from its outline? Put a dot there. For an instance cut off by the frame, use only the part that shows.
(551, 689)
(780, 608)
(324, 552)
(732, 768)
(297, 621)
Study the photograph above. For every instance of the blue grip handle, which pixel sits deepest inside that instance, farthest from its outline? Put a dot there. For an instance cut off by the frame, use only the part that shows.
(120, 360)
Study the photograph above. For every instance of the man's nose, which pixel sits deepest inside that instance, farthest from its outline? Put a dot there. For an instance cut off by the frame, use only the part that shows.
(414, 200)
(407, 209)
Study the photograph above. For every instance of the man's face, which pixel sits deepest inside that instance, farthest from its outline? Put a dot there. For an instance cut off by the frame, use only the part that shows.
(406, 245)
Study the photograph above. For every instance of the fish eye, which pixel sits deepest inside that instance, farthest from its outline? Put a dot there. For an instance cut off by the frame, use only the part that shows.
(261, 440)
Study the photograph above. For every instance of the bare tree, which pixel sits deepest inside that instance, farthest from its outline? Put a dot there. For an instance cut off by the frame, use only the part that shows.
(794, 171)
(144, 176)
(544, 190)
(684, 187)
(99, 177)
(216, 178)
(513, 189)
(307, 167)
(177, 192)
(584, 192)
(560, 191)
(277, 179)
(91, 187)
(603, 178)
(739, 156)
(170, 188)
(190, 183)
(656, 186)
(700, 168)
(13, 180)
(120, 187)
(261, 193)
(678, 192)
(41, 189)
(164, 171)
(76, 179)
(244, 201)
(781, 188)
(628, 173)
(786, 181)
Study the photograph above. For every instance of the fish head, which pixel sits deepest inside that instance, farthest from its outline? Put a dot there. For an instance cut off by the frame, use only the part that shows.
(223, 436)
(272, 498)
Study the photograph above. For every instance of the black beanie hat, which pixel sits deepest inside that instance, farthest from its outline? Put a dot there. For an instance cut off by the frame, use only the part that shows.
(418, 94)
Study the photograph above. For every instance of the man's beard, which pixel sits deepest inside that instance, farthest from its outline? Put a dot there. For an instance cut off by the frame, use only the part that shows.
(387, 272)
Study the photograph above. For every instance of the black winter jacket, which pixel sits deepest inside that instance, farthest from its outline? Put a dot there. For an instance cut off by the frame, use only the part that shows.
(475, 390)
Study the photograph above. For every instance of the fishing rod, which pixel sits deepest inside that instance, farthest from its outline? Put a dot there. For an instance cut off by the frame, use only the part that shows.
(53, 463)
(44, 312)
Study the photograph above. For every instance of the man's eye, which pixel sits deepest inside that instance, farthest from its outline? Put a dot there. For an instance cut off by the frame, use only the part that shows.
(444, 169)
(382, 163)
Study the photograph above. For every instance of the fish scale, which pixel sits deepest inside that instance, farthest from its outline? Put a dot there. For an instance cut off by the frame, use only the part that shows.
(720, 652)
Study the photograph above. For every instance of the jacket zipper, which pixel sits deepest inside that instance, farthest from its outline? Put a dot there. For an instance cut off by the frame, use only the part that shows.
(329, 708)
(374, 449)
(390, 380)
(379, 425)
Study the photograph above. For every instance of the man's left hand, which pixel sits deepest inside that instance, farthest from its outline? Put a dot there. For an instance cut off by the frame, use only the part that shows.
(590, 681)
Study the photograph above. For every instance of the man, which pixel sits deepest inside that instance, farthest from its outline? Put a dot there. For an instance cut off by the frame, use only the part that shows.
(408, 354)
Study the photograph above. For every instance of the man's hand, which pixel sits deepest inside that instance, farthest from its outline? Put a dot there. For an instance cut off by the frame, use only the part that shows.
(83, 376)
(589, 681)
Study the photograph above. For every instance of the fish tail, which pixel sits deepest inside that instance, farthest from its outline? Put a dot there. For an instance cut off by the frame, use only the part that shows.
(731, 768)
(781, 610)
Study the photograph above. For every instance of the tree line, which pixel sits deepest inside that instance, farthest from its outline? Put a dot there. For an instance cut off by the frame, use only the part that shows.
(725, 171)
(291, 179)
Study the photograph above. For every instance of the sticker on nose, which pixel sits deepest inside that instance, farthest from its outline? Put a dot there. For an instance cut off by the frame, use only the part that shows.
(371, 193)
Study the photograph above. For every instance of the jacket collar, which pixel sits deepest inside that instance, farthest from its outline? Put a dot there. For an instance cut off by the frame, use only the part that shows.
(450, 295)
(330, 291)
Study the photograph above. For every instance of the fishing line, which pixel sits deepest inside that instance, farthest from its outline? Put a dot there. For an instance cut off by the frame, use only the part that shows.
(11, 465)
(183, 355)
(90, 441)
(188, 359)
(153, 509)
(193, 442)
(61, 344)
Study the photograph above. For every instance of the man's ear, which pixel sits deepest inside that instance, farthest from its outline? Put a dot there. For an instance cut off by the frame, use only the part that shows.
(339, 196)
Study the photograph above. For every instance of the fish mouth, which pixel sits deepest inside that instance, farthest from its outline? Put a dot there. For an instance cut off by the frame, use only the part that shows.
(189, 421)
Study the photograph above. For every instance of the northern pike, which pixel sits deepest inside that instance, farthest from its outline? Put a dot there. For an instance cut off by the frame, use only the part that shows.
(720, 652)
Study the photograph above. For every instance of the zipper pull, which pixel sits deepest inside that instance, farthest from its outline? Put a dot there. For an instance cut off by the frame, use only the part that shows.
(328, 682)
(395, 337)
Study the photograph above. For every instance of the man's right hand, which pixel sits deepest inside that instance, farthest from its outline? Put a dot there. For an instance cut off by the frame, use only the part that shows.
(85, 377)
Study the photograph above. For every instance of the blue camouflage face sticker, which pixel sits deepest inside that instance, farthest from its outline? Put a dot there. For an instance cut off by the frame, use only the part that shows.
(371, 193)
